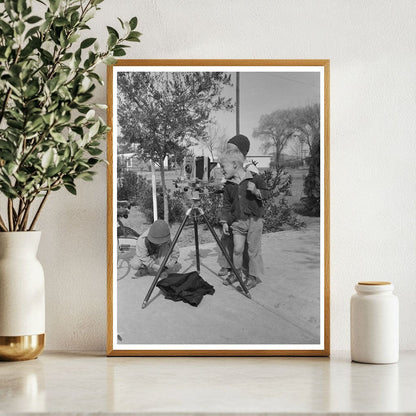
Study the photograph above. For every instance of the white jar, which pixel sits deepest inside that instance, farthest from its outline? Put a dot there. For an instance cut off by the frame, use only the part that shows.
(374, 323)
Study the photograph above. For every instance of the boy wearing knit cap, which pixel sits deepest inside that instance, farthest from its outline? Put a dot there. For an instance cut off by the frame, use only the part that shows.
(151, 248)
(241, 143)
(242, 213)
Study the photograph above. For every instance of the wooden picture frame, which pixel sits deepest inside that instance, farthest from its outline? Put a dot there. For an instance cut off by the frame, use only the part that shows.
(288, 313)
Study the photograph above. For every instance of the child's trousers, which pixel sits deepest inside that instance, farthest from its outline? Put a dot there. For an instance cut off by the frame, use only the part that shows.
(248, 231)
(228, 244)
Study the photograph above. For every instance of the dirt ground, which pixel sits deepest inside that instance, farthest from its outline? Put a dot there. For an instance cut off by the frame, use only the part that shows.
(284, 309)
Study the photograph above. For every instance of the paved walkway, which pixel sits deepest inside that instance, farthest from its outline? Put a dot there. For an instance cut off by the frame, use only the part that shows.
(284, 309)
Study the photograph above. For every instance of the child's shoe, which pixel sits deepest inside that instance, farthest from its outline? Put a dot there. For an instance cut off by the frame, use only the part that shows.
(251, 281)
(223, 271)
(232, 278)
(141, 271)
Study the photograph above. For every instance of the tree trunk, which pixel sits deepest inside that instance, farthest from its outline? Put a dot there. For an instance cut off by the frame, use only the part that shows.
(277, 159)
(165, 192)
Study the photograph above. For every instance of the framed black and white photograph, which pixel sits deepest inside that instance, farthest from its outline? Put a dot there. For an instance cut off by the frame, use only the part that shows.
(218, 207)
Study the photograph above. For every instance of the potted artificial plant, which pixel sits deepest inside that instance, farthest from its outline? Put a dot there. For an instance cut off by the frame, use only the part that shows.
(50, 136)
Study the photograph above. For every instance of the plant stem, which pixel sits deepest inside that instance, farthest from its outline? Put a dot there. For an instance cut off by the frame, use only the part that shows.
(39, 209)
(20, 214)
(26, 216)
(2, 224)
(10, 213)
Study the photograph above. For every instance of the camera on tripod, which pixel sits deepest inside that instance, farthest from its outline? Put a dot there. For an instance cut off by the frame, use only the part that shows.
(197, 168)
(194, 173)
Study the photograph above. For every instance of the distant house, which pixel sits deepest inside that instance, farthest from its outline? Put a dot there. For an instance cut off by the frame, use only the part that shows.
(130, 162)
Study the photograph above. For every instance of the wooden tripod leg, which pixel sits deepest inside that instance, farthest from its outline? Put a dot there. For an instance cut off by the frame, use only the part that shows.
(146, 299)
(224, 252)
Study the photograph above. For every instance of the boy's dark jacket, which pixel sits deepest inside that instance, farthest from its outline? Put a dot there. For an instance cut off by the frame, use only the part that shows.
(239, 203)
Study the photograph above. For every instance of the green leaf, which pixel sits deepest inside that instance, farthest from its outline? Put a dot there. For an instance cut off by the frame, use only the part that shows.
(112, 31)
(86, 176)
(94, 129)
(15, 124)
(63, 41)
(52, 171)
(67, 56)
(33, 19)
(48, 118)
(92, 161)
(133, 23)
(112, 41)
(27, 11)
(47, 158)
(61, 21)
(90, 114)
(134, 36)
(73, 38)
(53, 83)
(20, 28)
(87, 42)
(90, 14)
(110, 60)
(31, 31)
(21, 5)
(121, 22)
(60, 138)
(31, 90)
(54, 4)
(10, 168)
(94, 151)
(67, 153)
(21, 177)
(10, 8)
(4, 145)
(46, 56)
(78, 154)
(8, 190)
(119, 52)
(35, 125)
(70, 188)
(74, 18)
(82, 98)
(7, 30)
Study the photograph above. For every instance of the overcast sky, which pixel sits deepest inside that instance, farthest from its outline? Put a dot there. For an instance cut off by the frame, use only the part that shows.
(265, 92)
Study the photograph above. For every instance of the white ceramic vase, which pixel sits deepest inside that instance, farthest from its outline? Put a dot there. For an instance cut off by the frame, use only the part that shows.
(22, 296)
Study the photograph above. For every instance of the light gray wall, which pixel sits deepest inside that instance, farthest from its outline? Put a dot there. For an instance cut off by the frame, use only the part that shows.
(371, 45)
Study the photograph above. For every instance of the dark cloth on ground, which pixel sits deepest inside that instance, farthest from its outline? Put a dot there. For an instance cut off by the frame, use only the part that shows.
(186, 287)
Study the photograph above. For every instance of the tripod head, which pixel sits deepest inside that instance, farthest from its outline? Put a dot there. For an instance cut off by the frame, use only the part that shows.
(195, 210)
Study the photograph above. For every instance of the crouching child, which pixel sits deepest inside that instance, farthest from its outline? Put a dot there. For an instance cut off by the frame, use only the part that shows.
(151, 249)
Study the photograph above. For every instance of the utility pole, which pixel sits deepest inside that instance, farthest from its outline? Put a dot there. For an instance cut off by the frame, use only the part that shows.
(154, 190)
(237, 103)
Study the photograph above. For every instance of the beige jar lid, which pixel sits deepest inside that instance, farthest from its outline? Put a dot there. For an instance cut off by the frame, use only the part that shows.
(374, 283)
